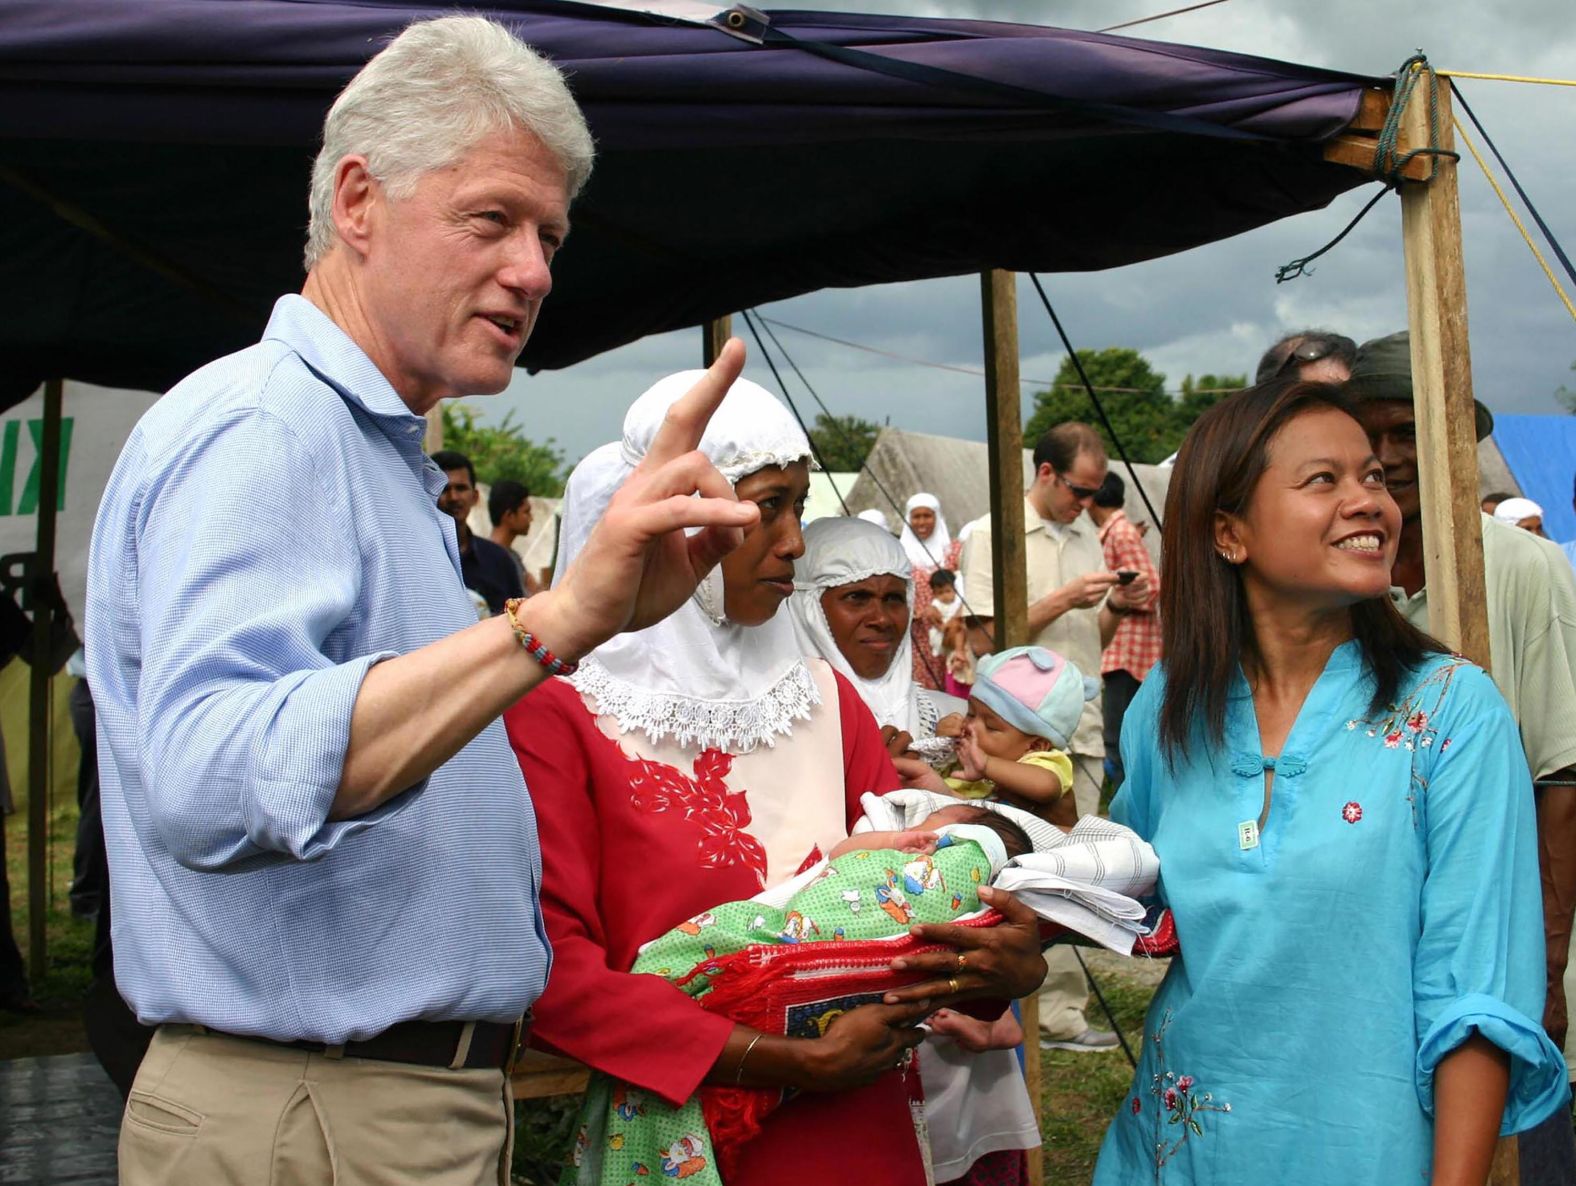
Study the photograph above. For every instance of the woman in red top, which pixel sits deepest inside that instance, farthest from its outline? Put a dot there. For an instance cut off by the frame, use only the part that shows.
(693, 763)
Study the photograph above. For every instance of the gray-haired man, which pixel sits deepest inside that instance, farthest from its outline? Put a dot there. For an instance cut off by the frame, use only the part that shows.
(325, 860)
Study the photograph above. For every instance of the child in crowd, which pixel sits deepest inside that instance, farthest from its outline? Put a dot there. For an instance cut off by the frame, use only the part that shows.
(1023, 709)
(875, 885)
(944, 606)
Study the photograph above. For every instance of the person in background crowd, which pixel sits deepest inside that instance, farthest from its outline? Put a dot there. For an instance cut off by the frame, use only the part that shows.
(853, 589)
(929, 546)
(1491, 501)
(1314, 355)
(877, 516)
(1522, 513)
(509, 508)
(486, 568)
(1344, 819)
(1075, 604)
(324, 858)
(89, 865)
(1531, 605)
(1135, 647)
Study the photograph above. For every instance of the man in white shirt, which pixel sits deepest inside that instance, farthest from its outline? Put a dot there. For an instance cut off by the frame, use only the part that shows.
(1074, 607)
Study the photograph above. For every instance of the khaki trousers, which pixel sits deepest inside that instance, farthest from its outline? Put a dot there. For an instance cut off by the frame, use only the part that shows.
(208, 1110)
(1065, 992)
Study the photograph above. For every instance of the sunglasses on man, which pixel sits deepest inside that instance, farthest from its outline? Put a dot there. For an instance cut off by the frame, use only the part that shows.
(1081, 493)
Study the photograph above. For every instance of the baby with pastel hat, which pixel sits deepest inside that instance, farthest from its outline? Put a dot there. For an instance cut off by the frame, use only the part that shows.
(1023, 709)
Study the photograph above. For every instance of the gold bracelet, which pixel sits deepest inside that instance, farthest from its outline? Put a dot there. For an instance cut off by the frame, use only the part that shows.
(738, 1075)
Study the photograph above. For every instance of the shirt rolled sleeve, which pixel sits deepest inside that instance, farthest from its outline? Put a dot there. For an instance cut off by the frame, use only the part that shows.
(246, 568)
(1478, 966)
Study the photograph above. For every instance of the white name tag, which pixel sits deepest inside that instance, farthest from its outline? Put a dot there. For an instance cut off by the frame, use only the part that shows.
(1248, 834)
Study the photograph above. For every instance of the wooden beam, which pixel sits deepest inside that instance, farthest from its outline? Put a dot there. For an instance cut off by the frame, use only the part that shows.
(432, 441)
(1373, 108)
(1361, 151)
(717, 332)
(1009, 572)
(41, 593)
(538, 1075)
(1436, 298)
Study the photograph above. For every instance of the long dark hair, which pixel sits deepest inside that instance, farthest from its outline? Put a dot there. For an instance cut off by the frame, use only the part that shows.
(1204, 620)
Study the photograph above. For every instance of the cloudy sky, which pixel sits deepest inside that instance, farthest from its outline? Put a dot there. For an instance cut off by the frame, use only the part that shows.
(1214, 308)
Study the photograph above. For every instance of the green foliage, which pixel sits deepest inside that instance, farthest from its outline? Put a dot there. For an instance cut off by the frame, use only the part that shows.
(1150, 422)
(501, 451)
(1566, 396)
(843, 441)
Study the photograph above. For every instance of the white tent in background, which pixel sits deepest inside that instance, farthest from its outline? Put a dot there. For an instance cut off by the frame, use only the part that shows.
(957, 472)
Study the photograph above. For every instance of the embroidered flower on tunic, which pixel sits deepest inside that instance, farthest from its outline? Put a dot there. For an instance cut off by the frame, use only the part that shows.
(1180, 1105)
(705, 800)
(1409, 726)
(1352, 812)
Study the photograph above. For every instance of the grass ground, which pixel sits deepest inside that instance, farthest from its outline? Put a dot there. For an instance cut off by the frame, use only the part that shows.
(57, 1027)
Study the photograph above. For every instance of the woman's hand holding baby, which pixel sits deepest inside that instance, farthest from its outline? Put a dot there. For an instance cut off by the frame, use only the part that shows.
(1002, 962)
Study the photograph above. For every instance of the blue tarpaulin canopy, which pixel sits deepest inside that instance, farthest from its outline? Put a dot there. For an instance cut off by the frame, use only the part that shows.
(1541, 453)
(154, 158)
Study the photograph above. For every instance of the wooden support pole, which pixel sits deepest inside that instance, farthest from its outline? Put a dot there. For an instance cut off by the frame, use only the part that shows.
(1436, 298)
(717, 333)
(1009, 572)
(432, 441)
(42, 595)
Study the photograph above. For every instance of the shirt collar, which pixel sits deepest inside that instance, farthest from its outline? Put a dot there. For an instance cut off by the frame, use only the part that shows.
(342, 364)
(1032, 522)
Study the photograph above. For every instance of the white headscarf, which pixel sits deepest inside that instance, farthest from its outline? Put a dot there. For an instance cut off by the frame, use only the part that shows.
(1513, 510)
(926, 553)
(840, 552)
(877, 516)
(694, 676)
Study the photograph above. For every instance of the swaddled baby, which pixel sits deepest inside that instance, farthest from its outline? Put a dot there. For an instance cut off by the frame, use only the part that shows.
(875, 885)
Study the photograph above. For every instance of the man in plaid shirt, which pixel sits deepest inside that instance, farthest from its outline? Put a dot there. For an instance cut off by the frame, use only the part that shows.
(1135, 647)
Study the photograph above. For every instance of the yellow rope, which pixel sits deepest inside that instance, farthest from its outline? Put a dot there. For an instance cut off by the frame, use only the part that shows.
(1510, 210)
(1506, 77)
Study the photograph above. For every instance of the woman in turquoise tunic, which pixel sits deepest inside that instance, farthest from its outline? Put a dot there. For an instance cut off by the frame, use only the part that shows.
(1345, 829)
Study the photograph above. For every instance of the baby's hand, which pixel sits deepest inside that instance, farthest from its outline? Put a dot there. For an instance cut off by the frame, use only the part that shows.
(916, 841)
(950, 725)
(971, 758)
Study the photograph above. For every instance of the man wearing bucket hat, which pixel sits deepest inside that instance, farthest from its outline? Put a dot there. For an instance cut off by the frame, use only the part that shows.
(1531, 602)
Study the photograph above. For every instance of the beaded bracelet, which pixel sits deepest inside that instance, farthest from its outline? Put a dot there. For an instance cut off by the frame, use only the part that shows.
(534, 646)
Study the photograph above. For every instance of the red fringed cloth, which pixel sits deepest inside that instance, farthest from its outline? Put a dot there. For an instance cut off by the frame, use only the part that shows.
(797, 990)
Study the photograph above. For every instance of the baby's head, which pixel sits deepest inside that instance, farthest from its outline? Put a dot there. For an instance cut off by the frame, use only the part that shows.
(943, 586)
(1013, 838)
(1027, 698)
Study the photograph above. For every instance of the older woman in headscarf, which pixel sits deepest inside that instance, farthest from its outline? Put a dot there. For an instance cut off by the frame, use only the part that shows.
(693, 763)
(853, 599)
(852, 595)
(929, 545)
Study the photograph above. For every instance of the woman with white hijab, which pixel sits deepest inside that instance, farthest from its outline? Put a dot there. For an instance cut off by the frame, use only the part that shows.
(928, 545)
(852, 595)
(693, 763)
(852, 603)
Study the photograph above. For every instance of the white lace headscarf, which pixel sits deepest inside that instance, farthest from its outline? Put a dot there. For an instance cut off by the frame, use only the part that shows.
(694, 676)
(839, 552)
(926, 553)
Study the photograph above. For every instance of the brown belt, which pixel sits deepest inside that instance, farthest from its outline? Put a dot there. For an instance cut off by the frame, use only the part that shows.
(492, 1045)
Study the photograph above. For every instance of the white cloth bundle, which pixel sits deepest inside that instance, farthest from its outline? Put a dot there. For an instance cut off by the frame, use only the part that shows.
(1088, 880)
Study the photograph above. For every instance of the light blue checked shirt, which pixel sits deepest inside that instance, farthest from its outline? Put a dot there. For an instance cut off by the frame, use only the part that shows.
(269, 533)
